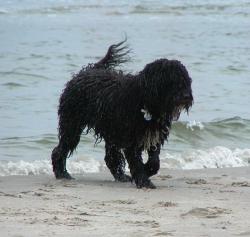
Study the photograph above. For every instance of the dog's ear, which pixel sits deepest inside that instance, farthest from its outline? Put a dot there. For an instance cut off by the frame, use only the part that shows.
(116, 55)
(151, 86)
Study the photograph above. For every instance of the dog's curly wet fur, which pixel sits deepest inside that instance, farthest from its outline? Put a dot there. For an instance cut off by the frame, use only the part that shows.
(131, 113)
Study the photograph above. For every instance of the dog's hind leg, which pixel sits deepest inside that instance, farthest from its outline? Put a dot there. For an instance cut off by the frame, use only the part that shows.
(69, 139)
(153, 164)
(116, 163)
(58, 157)
(137, 168)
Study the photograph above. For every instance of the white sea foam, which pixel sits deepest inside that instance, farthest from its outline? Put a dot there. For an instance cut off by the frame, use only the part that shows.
(217, 157)
(194, 124)
(44, 167)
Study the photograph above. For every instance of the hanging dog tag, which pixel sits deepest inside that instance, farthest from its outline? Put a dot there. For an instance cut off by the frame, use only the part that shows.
(147, 115)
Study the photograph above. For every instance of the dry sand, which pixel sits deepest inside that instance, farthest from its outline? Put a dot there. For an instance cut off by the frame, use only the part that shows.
(210, 202)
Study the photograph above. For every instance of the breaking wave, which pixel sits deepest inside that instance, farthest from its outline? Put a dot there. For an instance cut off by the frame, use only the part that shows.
(39, 167)
(217, 157)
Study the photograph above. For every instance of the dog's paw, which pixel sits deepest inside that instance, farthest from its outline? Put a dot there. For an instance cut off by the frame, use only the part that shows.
(147, 184)
(63, 175)
(142, 181)
(151, 168)
(123, 178)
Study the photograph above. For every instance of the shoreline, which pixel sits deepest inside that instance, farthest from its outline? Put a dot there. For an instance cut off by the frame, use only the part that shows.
(207, 202)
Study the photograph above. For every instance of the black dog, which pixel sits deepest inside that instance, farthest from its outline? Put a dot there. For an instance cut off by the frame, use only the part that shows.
(131, 113)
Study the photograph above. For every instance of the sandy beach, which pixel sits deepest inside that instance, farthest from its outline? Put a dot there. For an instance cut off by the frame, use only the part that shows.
(209, 202)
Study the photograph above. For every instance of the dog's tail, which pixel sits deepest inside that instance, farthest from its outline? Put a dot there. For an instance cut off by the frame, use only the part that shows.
(116, 55)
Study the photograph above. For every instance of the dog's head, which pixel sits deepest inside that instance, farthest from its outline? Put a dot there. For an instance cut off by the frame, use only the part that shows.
(167, 88)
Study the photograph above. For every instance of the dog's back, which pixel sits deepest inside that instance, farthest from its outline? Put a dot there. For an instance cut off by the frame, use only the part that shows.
(82, 104)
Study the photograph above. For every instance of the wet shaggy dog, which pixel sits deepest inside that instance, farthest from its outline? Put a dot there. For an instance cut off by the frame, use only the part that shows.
(131, 113)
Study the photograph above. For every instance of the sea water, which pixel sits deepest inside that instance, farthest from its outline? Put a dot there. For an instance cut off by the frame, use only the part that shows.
(42, 43)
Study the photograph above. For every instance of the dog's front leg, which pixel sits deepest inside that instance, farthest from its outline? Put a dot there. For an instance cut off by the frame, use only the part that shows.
(137, 170)
(153, 164)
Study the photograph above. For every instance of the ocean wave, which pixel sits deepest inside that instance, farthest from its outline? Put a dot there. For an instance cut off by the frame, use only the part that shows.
(40, 167)
(206, 8)
(232, 133)
(185, 135)
(137, 7)
(3, 11)
(62, 9)
(233, 122)
(216, 157)
(21, 75)
(12, 85)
